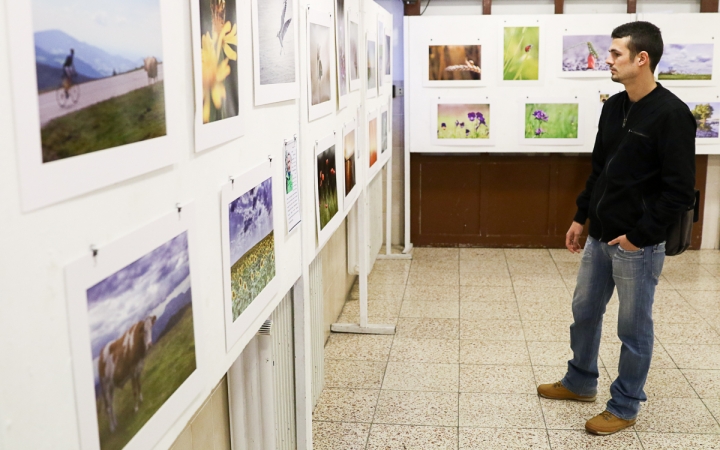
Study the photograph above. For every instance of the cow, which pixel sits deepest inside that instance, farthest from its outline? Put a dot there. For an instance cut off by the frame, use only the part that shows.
(123, 359)
(151, 67)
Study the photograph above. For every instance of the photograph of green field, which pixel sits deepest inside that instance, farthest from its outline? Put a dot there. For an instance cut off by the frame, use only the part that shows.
(142, 339)
(100, 82)
(327, 186)
(521, 53)
(463, 121)
(252, 245)
(686, 62)
(551, 120)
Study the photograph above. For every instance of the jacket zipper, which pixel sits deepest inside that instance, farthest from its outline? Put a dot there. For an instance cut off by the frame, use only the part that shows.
(639, 134)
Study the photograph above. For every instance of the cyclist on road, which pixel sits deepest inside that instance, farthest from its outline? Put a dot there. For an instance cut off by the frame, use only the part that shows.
(68, 72)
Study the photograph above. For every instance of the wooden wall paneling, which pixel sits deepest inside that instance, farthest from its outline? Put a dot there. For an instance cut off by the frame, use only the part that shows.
(559, 6)
(708, 6)
(412, 9)
(631, 6)
(487, 7)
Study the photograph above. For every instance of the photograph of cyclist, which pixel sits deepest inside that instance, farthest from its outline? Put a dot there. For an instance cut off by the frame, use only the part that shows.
(100, 82)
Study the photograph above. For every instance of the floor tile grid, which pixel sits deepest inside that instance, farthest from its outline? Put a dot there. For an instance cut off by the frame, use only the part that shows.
(517, 302)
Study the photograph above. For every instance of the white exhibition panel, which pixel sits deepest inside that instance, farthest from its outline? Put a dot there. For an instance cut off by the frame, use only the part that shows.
(421, 96)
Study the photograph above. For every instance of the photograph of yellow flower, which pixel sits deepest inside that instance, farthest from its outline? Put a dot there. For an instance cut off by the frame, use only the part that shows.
(218, 26)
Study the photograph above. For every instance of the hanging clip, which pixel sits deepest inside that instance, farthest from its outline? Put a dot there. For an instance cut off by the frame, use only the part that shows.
(270, 158)
(94, 250)
(179, 207)
(232, 180)
(295, 137)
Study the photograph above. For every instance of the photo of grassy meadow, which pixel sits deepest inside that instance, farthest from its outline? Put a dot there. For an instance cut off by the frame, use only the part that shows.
(372, 141)
(142, 332)
(551, 120)
(99, 81)
(463, 121)
(327, 186)
(686, 62)
(454, 62)
(218, 25)
(707, 116)
(252, 245)
(349, 150)
(521, 53)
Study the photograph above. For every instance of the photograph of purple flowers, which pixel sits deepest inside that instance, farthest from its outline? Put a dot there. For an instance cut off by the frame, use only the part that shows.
(584, 55)
(707, 116)
(686, 62)
(463, 124)
(551, 121)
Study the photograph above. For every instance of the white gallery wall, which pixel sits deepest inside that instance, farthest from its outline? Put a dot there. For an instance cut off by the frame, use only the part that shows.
(37, 394)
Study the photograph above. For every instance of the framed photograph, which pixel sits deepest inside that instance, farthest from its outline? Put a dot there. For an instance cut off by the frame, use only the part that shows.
(248, 240)
(341, 53)
(584, 55)
(89, 95)
(603, 96)
(328, 184)
(292, 183)
(132, 315)
(384, 140)
(351, 188)
(552, 122)
(353, 47)
(275, 31)
(707, 116)
(372, 145)
(381, 53)
(216, 78)
(687, 64)
(522, 53)
(451, 65)
(321, 87)
(371, 82)
(463, 121)
(388, 55)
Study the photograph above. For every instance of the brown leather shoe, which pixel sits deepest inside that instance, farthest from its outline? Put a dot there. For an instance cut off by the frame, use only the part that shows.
(557, 391)
(607, 423)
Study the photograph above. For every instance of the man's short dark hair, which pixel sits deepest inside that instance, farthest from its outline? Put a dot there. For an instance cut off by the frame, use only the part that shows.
(644, 37)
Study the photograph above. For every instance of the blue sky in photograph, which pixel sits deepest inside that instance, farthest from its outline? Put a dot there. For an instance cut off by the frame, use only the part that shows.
(251, 219)
(715, 106)
(138, 290)
(687, 58)
(128, 28)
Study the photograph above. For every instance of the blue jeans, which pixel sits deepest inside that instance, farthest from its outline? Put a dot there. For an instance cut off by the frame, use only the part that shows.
(635, 274)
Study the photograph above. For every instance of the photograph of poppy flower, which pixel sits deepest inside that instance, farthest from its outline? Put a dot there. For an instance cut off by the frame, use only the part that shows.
(319, 54)
(551, 120)
(707, 116)
(383, 131)
(327, 186)
(521, 53)
(372, 140)
(454, 62)
(371, 65)
(141, 323)
(99, 69)
(252, 245)
(586, 53)
(686, 62)
(353, 42)
(461, 121)
(349, 150)
(276, 41)
(218, 24)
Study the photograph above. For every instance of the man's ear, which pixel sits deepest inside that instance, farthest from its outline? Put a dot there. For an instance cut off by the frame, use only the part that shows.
(643, 58)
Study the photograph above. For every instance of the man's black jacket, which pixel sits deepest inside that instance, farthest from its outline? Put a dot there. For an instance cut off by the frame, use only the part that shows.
(643, 174)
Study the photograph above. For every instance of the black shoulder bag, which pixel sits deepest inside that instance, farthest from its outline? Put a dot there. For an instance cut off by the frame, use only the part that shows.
(680, 233)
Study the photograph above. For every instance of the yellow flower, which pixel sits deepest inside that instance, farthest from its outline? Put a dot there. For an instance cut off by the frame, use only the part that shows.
(216, 54)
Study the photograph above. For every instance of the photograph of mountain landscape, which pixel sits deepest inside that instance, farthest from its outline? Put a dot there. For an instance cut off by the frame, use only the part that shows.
(99, 67)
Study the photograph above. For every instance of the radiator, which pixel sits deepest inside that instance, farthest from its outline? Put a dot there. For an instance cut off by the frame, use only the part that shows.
(261, 387)
(317, 328)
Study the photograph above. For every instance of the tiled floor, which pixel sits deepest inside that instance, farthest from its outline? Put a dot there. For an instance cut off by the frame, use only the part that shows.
(478, 329)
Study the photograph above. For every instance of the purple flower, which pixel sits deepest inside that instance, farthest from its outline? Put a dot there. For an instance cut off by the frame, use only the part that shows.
(467, 132)
(471, 116)
(540, 115)
(443, 126)
(480, 118)
(539, 131)
(457, 123)
(462, 124)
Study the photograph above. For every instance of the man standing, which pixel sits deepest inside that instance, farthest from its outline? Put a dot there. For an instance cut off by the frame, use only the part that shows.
(643, 177)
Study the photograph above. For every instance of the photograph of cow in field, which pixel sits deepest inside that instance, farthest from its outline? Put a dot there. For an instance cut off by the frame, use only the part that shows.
(122, 360)
(142, 339)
